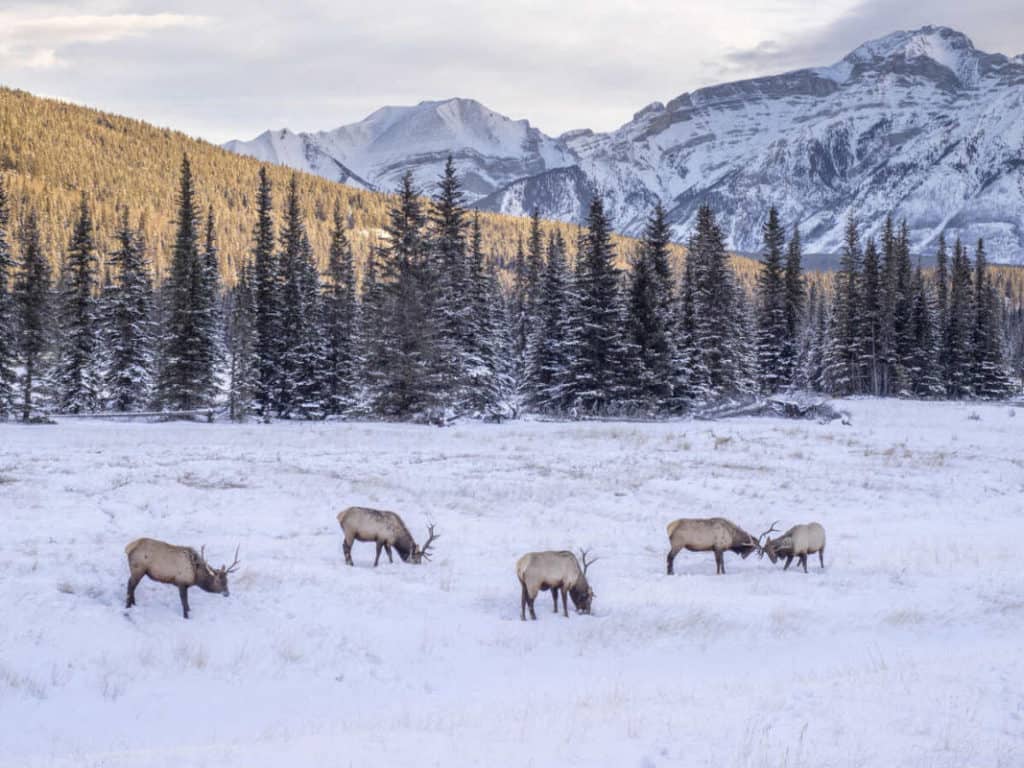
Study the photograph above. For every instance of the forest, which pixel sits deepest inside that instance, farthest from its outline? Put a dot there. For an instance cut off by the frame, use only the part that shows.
(427, 329)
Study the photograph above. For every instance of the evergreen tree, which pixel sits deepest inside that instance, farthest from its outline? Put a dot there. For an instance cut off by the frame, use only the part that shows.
(403, 358)
(550, 360)
(267, 291)
(207, 289)
(8, 379)
(484, 386)
(520, 307)
(925, 372)
(842, 361)
(960, 330)
(650, 316)
(903, 331)
(772, 330)
(184, 383)
(597, 332)
(989, 376)
(243, 382)
(340, 323)
(77, 377)
(871, 345)
(32, 294)
(942, 301)
(129, 373)
(445, 288)
(794, 307)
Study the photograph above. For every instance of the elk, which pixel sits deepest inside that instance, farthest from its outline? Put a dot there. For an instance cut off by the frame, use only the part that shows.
(557, 571)
(181, 566)
(386, 530)
(715, 534)
(799, 542)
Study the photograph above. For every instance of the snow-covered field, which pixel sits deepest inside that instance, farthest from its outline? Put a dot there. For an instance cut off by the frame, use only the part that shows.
(905, 651)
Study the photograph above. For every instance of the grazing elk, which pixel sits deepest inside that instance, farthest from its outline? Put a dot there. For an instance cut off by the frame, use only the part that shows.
(181, 566)
(799, 542)
(386, 530)
(557, 571)
(715, 534)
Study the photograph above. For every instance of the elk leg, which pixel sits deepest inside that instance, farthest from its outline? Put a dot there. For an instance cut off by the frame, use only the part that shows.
(522, 602)
(719, 562)
(387, 548)
(554, 594)
(377, 558)
(788, 561)
(565, 604)
(671, 559)
(803, 562)
(133, 582)
(347, 547)
(183, 592)
(821, 557)
(529, 599)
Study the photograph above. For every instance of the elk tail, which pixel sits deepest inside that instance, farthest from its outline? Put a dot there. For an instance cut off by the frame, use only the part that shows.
(672, 527)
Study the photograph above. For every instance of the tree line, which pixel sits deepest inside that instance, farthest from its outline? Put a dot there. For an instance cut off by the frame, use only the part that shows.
(433, 330)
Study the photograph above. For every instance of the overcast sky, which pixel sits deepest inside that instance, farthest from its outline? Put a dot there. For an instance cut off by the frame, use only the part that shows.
(225, 69)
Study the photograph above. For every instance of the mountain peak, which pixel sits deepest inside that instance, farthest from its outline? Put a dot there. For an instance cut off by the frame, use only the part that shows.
(917, 51)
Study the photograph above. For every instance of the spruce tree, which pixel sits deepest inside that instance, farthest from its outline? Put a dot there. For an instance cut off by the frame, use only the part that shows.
(243, 382)
(796, 293)
(484, 386)
(958, 343)
(989, 376)
(902, 310)
(184, 382)
(549, 360)
(207, 288)
(871, 347)
(129, 378)
(340, 323)
(267, 292)
(32, 294)
(650, 316)
(8, 379)
(842, 372)
(597, 334)
(772, 328)
(942, 300)
(925, 371)
(77, 376)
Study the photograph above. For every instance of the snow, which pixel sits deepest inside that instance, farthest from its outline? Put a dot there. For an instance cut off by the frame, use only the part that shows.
(904, 651)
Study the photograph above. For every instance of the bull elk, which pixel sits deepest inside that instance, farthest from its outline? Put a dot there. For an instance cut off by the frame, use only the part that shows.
(558, 572)
(799, 542)
(714, 534)
(386, 530)
(181, 566)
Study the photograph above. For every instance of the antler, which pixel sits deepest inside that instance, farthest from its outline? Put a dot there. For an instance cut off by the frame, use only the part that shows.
(234, 565)
(430, 540)
(583, 559)
(202, 553)
(771, 529)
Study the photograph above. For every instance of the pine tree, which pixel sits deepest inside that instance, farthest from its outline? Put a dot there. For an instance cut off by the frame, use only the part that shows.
(210, 321)
(772, 328)
(842, 362)
(960, 330)
(445, 288)
(902, 309)
(989, 376)
(77, 377)
(650, 316)
(403, 359)
(8, 379)
(871, 345)
(549, 358)
(268, 300)
(484, 387)
(597, 339)
(925, 371)
(32, 294)
(942, 302)
(184, 382)
(795, 300)
(243, 381)
(129, 373)
(340, 323)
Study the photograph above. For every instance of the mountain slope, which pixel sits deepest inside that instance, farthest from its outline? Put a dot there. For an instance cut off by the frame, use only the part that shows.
(920, 124)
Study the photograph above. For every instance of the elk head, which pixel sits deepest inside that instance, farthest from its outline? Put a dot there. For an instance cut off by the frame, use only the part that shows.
(767, 546)
(582, 595)
(217, 578)
(419, 554)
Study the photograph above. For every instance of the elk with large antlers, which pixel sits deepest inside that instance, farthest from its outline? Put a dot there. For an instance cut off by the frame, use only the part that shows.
(181, 566)
(559, 572)
(713, 534)
(799, 542)
(386, 530)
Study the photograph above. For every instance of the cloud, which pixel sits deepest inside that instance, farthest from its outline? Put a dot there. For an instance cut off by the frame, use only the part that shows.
(34, 41)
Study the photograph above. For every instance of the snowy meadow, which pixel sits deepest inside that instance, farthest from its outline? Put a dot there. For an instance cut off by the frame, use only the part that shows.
(904, 651)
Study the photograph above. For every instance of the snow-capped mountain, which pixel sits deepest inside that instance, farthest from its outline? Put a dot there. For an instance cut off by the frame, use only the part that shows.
(920, 124)
(490, 149)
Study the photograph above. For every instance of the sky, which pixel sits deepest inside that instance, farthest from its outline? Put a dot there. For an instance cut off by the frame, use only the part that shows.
(224, 69)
